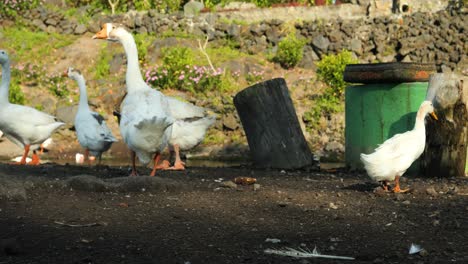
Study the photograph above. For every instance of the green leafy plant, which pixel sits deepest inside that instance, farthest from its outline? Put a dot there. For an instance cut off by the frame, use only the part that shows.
(143, 41)
(57, 85)
(177, 58)
(16, 95)
(290, 51)
(330, 70)
(254, 77)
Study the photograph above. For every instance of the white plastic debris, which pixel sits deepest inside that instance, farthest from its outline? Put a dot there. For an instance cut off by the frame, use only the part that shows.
(302, 253)
(79, 158)
(414, 248)
(273, 240)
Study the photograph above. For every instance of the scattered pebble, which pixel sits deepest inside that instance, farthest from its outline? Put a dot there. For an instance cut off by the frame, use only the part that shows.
(256, 187)
(228, 184)
(333, 206)
(423, 253)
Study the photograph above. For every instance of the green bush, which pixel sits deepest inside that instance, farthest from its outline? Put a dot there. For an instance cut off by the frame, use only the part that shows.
(330, 70)
(16, 95)
(143, 41)
(290, 51)
(177, 58)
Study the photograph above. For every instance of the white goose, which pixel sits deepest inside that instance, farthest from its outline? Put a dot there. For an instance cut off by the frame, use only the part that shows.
(191, 122)
(91, 129)
(391, 159)
(145, 123)
(23, 125)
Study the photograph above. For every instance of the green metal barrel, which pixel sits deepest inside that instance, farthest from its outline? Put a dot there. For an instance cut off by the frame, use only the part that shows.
(376, 111)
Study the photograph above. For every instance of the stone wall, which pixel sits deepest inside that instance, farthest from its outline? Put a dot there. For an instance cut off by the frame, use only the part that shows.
(438, 37)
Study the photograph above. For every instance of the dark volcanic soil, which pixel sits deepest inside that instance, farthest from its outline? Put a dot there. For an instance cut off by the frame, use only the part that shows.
(49, 216)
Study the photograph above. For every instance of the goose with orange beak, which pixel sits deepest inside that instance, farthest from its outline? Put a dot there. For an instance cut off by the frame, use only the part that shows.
(190, 121)
(23, 125)
(145, 122)
(391, 159)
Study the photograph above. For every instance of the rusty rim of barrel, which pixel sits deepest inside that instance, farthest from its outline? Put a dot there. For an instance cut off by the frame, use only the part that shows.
(393, 72)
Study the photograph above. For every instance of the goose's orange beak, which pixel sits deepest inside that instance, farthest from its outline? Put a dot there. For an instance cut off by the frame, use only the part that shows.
(101, 34)
(434, 116)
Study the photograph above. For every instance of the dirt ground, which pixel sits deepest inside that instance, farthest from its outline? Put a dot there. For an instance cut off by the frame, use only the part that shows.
(70, 214)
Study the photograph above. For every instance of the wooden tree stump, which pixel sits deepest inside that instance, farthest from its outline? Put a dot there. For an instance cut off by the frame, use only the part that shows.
(446, 142)
(270, 123)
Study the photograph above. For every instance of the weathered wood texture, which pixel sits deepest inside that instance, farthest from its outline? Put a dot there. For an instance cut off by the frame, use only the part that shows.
(270, 123)
(446, 147)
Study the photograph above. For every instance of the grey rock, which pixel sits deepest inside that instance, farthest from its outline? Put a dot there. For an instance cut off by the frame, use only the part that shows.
(51, 29)
(356, 46)
(94, 27)
(230, 122)
(12, 189)
(309, 58)
(51, 21)
(193, 8)
(138, 21)
(80, 29)
(87, 183)
(233, 31)
(321, 43)
(38, 23)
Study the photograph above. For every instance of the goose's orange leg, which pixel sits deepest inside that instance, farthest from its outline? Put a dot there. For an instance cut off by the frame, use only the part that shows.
(35, 159)
(164, 165)
(157, 157)
(178, 164)
(397, 188)
(23, 158)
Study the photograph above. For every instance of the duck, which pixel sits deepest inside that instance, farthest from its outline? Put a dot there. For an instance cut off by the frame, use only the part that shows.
(23, 125)
(392, 158)
(191, 122)
(145, 122)
(91, 129)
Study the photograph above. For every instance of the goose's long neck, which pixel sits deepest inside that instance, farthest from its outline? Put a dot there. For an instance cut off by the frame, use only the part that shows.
(420, 120)
(4, 86)
(83, 104)
(133, 77)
